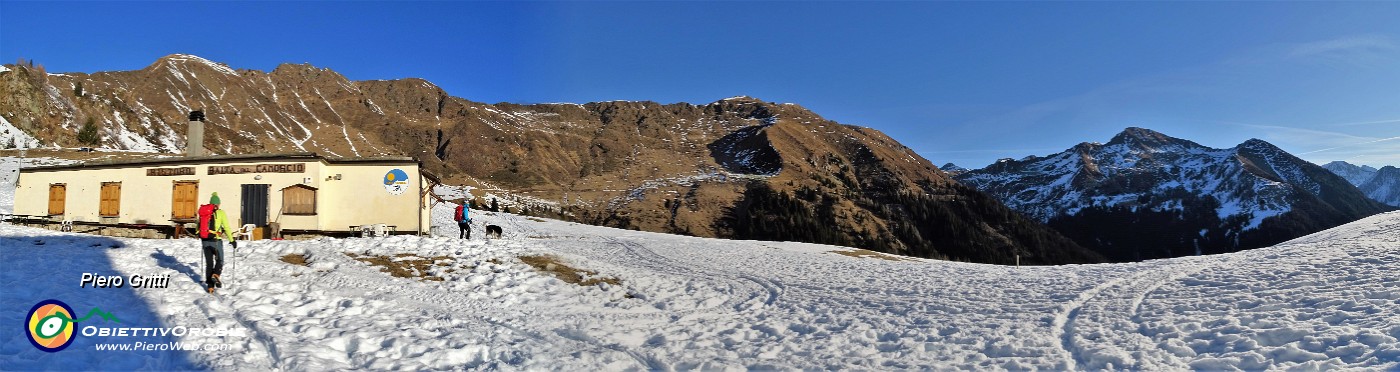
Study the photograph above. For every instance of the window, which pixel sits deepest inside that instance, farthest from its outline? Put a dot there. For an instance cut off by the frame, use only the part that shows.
(111, 199)
(57, 193)
(299, 199)
(185, 201)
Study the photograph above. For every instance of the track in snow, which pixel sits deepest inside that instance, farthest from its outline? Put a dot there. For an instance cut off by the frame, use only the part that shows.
(756, 292)
(1101, 329)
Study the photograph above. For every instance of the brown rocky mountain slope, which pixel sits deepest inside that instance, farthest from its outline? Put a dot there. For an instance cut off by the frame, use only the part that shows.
(735, 168)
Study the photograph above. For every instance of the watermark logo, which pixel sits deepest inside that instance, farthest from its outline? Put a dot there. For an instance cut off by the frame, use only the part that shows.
(50, 325)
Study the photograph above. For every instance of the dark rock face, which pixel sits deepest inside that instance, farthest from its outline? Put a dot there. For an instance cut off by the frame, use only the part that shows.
(746, 151)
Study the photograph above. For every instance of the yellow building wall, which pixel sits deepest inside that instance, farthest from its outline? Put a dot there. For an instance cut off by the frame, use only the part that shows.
(358, 197)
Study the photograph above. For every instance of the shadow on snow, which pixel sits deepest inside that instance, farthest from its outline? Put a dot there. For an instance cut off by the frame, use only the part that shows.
(38, 268)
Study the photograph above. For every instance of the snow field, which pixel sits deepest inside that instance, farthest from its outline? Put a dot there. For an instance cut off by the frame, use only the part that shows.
(1328, 300)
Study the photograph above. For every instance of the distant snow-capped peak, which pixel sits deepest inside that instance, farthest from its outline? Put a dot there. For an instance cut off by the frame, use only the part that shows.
(1355, 174)
(950, 168)
(1384, 186)
(1255, 179)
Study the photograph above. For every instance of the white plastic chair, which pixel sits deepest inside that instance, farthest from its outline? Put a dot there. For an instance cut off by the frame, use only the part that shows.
(66, 225)
(246, 232)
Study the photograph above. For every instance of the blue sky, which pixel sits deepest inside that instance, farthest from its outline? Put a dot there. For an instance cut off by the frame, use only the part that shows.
(958, 82)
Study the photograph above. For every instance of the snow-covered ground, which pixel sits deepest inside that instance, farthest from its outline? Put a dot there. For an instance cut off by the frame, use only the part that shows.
(1329, 300)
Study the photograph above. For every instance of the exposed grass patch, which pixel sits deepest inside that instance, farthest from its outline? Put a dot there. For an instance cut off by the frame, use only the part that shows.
(405, 265)
(569, 274)
(862, 253)
(295, 259)
(535, 219)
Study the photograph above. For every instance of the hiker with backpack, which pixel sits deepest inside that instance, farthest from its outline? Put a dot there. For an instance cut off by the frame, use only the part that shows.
(464, 221)
(213, 230)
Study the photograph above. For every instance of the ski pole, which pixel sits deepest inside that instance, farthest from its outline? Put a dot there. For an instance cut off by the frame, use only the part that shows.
(233, 259)
(233, 250)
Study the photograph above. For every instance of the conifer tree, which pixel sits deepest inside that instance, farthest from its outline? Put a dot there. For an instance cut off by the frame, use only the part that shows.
(88, 134)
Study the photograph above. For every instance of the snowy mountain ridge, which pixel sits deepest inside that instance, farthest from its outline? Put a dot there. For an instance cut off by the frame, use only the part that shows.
(1140, 170)
(1356, 174)
(1382, 185)
(953, 169)
(1134, 162)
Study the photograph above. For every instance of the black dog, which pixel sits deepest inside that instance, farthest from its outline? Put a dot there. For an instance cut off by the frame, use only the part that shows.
(493, 231)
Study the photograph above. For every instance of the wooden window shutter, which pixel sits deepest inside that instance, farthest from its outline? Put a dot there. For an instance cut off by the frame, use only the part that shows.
(185, 200)
(57, 193)
(111, 199)
(299, 199)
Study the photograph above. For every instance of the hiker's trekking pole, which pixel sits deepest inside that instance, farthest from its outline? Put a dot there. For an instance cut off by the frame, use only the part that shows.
(233, 258)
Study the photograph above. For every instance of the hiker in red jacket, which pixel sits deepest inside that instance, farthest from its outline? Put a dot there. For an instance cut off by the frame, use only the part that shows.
(213, 231)
(464, 221)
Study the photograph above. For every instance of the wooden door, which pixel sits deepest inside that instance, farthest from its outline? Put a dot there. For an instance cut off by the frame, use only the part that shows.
(111, 202)
(58, 192)
(185, 200)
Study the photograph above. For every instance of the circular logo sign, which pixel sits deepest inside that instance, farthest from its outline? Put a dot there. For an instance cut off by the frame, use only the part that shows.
(50, 325)
(396, 181)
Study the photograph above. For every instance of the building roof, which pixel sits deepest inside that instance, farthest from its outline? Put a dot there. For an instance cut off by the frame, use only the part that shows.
(223, 159)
